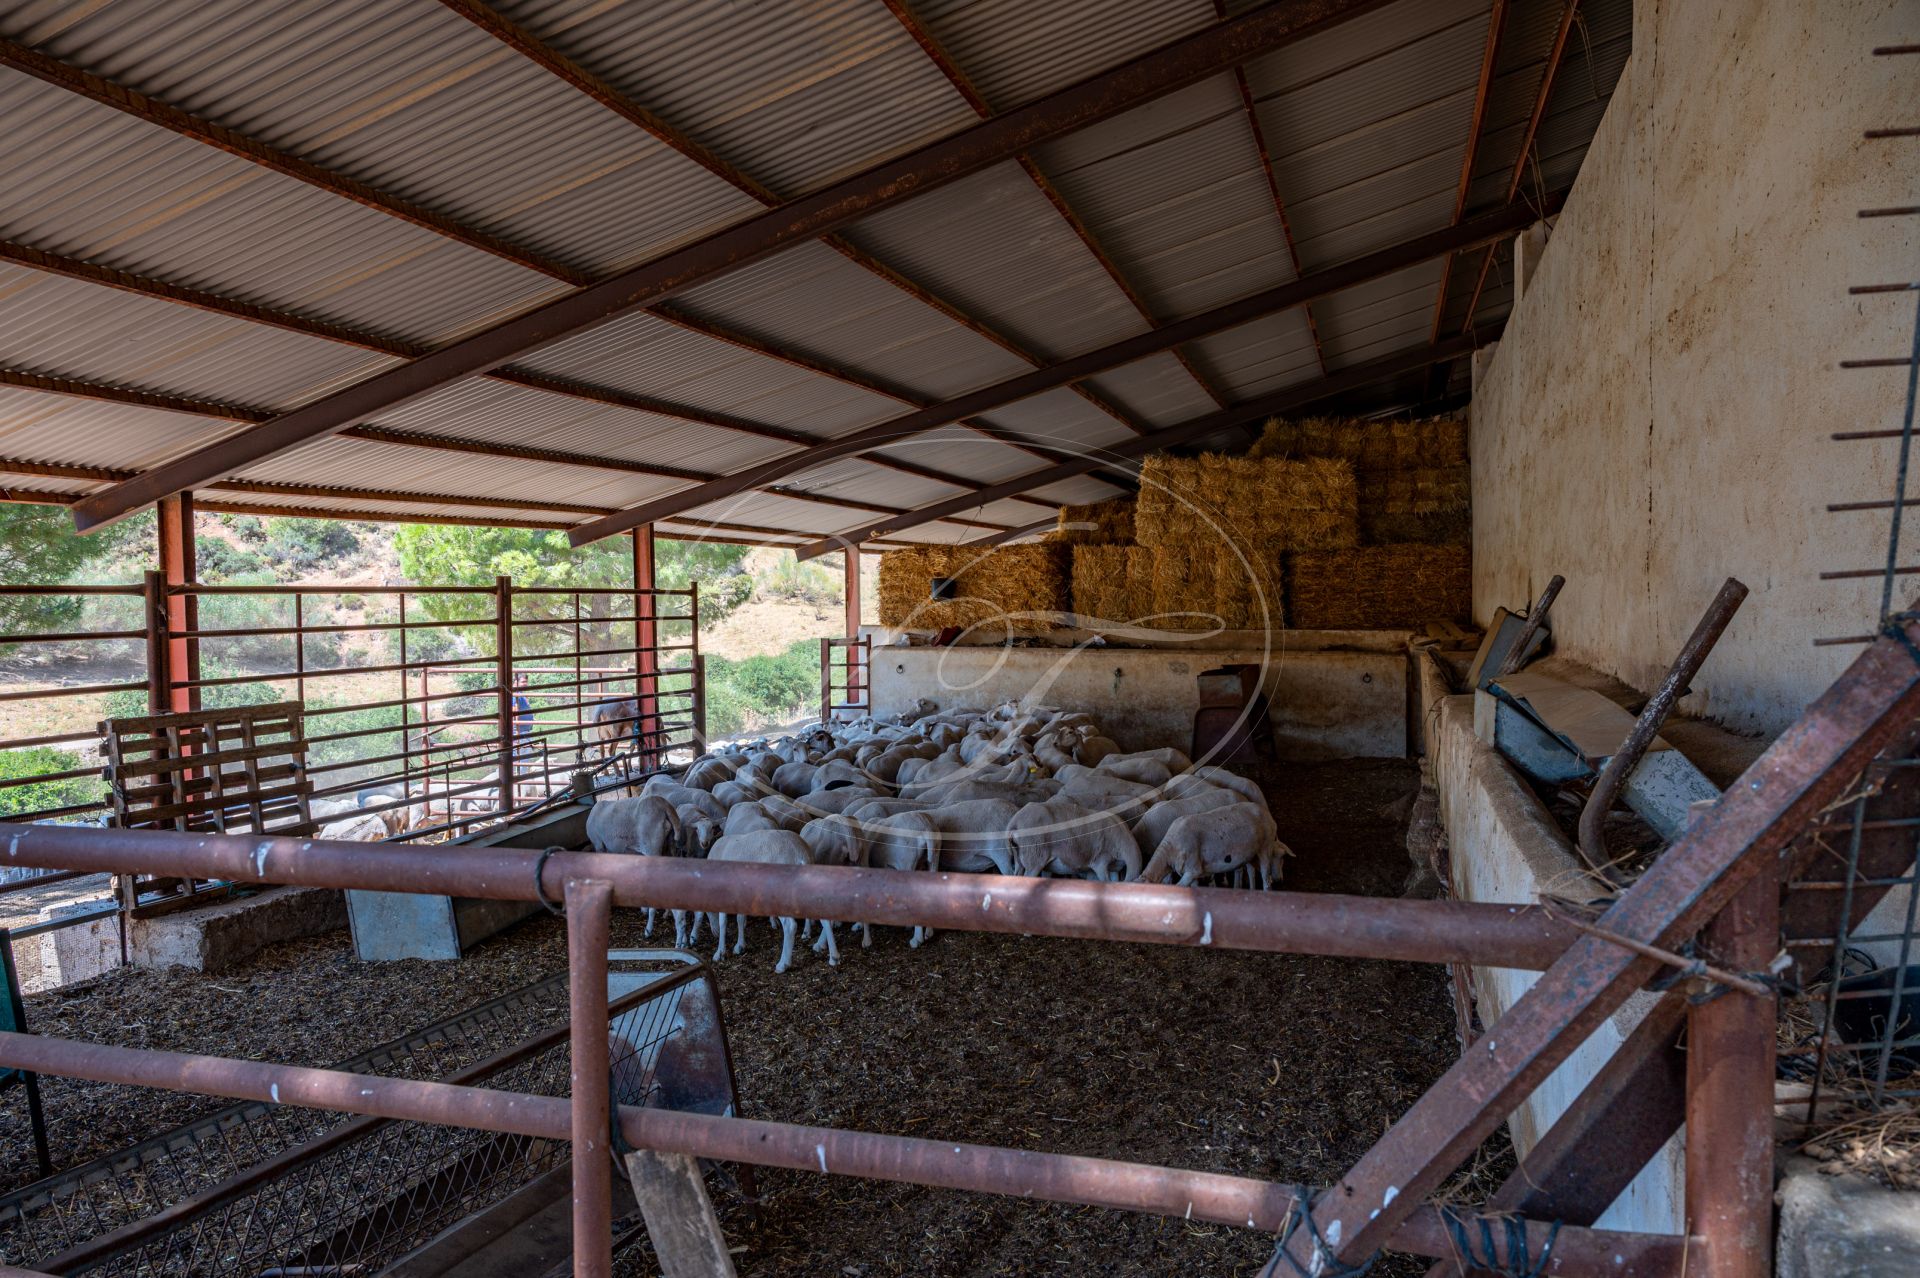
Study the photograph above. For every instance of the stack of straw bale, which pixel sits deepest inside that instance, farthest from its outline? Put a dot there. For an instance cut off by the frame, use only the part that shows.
(1112, 583)
(1411, 476)
(1263, 505)
(1020, 587)
(1104, 523)
(1380, 587)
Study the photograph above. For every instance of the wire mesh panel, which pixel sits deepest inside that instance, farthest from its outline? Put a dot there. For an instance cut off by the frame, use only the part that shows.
(259, 1188)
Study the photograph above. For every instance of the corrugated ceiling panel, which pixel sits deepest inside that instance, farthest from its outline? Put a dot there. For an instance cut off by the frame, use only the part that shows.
(1387, 315)
(1015, 51)
(1078, 491)
(814, 301)
(498, 413)
(412, 99)
(1176, 194)
(1259, 357)
(66, 328)
(1155, 391)
(1059, 419)
(1370, 154)
(384, 511)
(86, 181)
(993, 245)
(964, 453)
(35, 426)
(359, 463)
(770, 510)
(42, 484)
(856, 479)
(795, 95)
(646, 355)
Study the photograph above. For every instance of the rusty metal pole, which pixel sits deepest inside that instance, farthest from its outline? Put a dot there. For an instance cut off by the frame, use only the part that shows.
(174, 531)
(646, 642)
(589, 921)
(852, 599)
(1685, 666)
(1730, 1073)
(503, 663)
(1536, 618)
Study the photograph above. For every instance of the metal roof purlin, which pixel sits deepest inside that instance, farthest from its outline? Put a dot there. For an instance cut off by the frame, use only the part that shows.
(1480, 230)
(1496, 28)
(1548, 74)
(571, 72)
(926, 168)
(1285, 400)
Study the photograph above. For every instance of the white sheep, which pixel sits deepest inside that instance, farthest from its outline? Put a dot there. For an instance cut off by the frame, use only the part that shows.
(1063, 838)
(1221, 841)
(646, 826)
(763, 847)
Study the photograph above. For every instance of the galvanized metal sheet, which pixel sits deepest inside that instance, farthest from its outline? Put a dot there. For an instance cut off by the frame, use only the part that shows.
(35, 426)
(993, 245)
(1076, 491)
(1386, 315)
(794, 94)
(1015, 51)
(1263, 356)
(414, 100)
(66, 328)
(1059, 419)
(86, 181)
(1156, 391)
(814, 301)
(963, 453)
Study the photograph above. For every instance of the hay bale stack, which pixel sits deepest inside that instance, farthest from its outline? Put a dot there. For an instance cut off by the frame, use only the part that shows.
(1423, 504)
(1247, 594)
(1021, 587)
(1264, 506)
(1104, 523)
(1380, 587)
(1183, 588)
(1365, 445)
(1100, 590)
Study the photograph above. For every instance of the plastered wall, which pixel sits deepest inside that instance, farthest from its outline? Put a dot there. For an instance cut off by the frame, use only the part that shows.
(1656, 417)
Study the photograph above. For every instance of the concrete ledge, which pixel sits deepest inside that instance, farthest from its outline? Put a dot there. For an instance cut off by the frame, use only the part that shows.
(1832, 1225)
(210, 938)
(1506, 847)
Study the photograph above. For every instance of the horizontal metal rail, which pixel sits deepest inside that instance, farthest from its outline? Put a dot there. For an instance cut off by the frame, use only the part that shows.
(1524, 937)
(1239, 1201)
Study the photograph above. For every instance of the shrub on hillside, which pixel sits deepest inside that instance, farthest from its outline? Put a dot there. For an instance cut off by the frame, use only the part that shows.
(40, 796)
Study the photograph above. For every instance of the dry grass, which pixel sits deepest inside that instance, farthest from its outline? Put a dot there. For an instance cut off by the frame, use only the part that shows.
(1020, 588)
(1112, 583)
(1104, 523)
(1380, 587)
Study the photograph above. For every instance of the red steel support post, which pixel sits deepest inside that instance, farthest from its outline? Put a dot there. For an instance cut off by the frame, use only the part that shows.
(646, 638)
(174, 525)
(1730, 1073)
(503, 674)
(589, 921)
(854, 672)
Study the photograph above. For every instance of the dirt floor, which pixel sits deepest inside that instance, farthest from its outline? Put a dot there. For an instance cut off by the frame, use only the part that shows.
(1274, 1066)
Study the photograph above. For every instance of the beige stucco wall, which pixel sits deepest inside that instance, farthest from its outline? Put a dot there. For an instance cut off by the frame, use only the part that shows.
(1656, 417)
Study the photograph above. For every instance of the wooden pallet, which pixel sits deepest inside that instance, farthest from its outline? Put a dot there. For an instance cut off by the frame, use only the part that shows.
(242, 770)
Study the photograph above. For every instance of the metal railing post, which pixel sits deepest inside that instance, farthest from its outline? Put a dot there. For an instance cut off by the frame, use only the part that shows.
(503, 652)
(589, 905)
(699, 671)
(1731, 1041)
(159, 650)
(826, 680)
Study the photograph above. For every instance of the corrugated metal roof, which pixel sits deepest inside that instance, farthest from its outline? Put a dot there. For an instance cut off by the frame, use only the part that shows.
(1388, 314)
(968, 454)
(88, 182)
(994, 246)
(1058, 419)
(55, 428)
(1259, 357)
(1155, 391)
(813, 300)
(795, 95)
(857, 479)
(407, 96)
(1176, 194)
(1014, 50)
(373, 508)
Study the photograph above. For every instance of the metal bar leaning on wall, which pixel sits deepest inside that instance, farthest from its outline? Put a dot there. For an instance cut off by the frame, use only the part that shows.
(1238, 1201)
(1524, 937)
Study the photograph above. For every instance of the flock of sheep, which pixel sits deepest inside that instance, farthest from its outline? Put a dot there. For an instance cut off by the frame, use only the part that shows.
(1011, 790)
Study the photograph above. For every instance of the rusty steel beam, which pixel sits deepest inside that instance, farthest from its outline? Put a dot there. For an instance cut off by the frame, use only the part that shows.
(1489, 58)
(1282, 401)
(215, 304)
(1547, 76)
(1238, 1201)
(1271, 922)
(970, 93)
(1480, 230)
(589, 905)
(1740, 837)
(1250, 109)
(927, 168)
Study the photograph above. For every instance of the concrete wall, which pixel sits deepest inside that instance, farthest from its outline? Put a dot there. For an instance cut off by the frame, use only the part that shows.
(1655, 419)
(1334, 701)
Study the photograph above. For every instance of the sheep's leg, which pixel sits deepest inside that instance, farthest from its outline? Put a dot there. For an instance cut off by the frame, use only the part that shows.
(786, 946)
(866, 935)
(833, 948)
(648, 931)
(806, 930)
(820, 942)
(720, 926)
(740, 934)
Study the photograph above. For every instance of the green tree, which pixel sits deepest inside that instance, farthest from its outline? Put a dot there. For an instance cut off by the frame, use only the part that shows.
(38, 546)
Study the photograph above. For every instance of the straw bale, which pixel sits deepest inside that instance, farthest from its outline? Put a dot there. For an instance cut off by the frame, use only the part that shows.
(1367, 445)
(1100, 586)
(1021, 587)
(1104, 523)
(1379, 587)
(1444, 528)
(1247, 592)
(1421, 490)
(1264, 505)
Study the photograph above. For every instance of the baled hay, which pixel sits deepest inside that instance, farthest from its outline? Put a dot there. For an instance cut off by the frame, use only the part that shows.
(1261, 505)
(1389, 445)
(1104, 523)
(1380, 587)
(1022, 588)
(1183, 588)
(1100, 588)
(1446, 528)
(1422, 490)
(1247, 592)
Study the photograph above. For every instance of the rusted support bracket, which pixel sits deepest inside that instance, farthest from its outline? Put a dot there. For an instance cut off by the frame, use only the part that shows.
(1739, 838)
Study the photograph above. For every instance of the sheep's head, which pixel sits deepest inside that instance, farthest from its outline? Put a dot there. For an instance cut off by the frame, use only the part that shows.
(700, 835)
